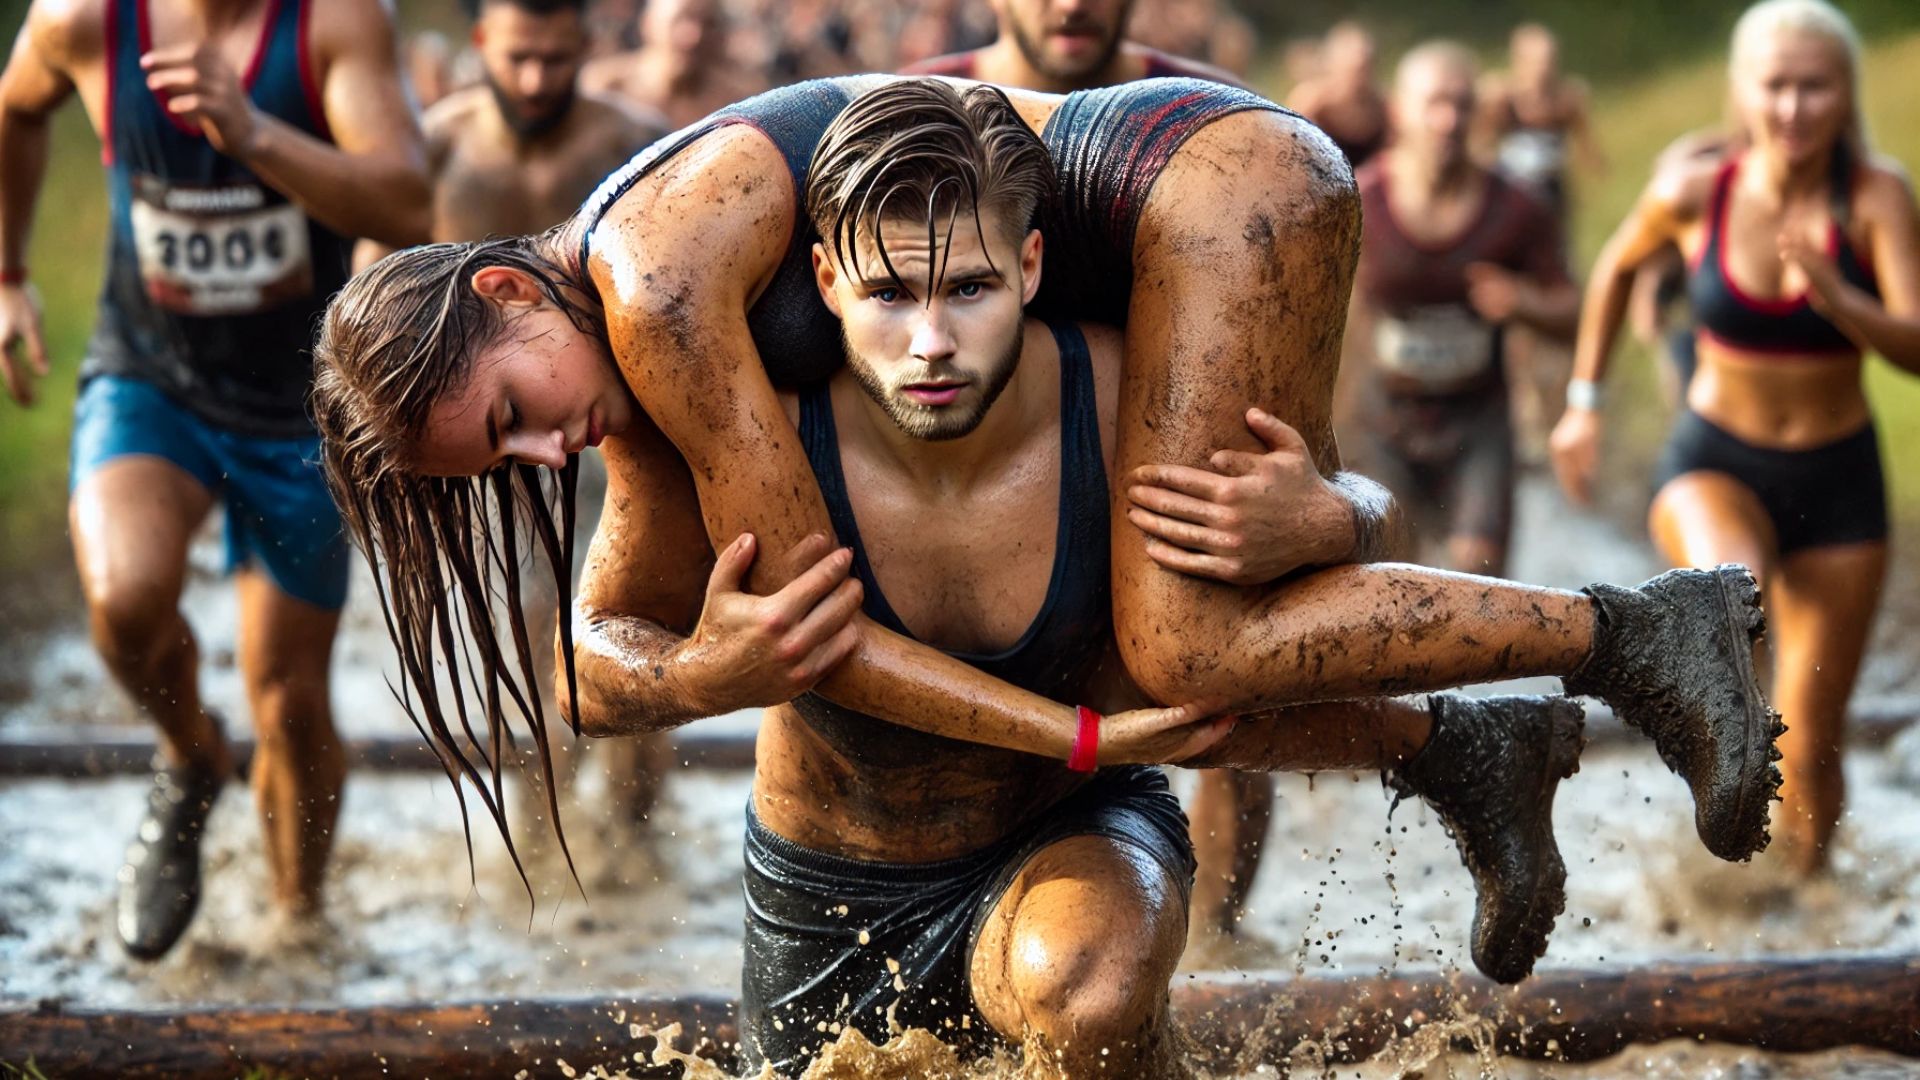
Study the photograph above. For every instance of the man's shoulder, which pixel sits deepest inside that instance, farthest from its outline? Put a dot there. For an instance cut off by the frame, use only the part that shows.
(447, 118)
(363, 28)
(65, 32)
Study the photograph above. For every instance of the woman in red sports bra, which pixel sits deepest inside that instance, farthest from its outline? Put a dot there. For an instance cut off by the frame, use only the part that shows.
(1803, 253)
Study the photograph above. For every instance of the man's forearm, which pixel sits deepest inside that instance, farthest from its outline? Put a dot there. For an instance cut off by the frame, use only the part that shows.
(24, 146)
(353, 194)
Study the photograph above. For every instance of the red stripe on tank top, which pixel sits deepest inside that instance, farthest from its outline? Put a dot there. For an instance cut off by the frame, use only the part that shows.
(309, 83)
(1779, 305)
(145, 31)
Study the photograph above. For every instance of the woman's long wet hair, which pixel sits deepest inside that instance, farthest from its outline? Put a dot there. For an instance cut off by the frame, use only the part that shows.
(1822, 19)
(447, 552)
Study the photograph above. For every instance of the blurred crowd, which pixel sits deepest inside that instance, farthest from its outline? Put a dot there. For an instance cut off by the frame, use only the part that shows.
(755, 45)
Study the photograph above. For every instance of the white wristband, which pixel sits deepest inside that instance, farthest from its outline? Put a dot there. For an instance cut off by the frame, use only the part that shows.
(1583, 394)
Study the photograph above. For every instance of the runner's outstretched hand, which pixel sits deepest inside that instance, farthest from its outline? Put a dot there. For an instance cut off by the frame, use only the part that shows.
(23, 349)
(1162, 736)
(756, 651)
(1250, 518)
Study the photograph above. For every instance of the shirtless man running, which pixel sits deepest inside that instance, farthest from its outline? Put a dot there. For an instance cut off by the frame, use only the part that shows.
(233, 199)
(1453, 254)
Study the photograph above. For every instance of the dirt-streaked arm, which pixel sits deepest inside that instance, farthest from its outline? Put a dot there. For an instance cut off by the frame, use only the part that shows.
(679, 332)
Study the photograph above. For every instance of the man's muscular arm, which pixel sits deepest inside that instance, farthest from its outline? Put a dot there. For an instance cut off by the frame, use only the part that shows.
(33, 86)
(678, 329)
(651, 651)
(371, 180)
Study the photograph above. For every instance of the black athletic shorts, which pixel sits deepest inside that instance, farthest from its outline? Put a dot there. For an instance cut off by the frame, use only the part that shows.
(833, 942)
(1832, 494)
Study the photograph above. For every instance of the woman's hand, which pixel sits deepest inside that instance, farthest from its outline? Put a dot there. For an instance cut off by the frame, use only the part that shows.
(1825, 285)
(1575, 446)
(1162, 736)
(757, 651)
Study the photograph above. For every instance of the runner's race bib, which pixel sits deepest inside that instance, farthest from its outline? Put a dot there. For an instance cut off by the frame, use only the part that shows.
(1533, 156)
(1438, 347)
(230, 249)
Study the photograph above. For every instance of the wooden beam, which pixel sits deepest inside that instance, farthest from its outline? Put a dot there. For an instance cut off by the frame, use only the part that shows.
(114, 752)
(1235, 1021)
(129, 752)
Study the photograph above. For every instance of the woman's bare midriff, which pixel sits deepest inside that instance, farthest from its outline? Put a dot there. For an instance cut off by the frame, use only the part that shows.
(1779, 402)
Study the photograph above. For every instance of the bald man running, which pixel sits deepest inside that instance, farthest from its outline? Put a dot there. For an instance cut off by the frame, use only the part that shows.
(1453, 254)
(1343, 97)
(681, 70)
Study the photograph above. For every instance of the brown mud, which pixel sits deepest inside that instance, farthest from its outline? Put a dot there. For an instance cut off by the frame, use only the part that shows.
(1344, 887)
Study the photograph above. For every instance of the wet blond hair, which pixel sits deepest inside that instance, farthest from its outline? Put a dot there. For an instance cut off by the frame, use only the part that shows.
(1766, 19)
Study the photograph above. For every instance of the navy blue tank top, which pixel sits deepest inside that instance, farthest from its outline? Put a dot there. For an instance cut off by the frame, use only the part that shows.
(1787, 325)
(1067, 638)
(1108, 147)
(215, 281)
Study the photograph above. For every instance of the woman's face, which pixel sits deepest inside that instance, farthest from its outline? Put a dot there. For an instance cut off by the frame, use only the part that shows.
(1794, 95)
(543, 390)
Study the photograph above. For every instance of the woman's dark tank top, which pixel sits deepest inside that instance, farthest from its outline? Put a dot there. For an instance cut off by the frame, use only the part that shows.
(215, 281)
(1108, 146)
(1786, 325)
(1067, 638)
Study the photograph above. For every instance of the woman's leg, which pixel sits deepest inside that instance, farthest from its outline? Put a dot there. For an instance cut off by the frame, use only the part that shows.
(1822, 602)
(1240, 299)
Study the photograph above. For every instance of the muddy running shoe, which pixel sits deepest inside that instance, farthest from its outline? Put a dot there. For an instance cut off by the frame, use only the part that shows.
(1674, 658)
(160, 883)
(1489, 770)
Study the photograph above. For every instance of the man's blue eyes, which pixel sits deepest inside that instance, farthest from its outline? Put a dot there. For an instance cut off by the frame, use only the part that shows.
(967, 290)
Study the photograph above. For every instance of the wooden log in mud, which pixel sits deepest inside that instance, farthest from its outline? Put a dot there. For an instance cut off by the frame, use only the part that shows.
(1788, 1005)
(1234, 1021)
(111, 752)
(125, 752)
(494, 1040)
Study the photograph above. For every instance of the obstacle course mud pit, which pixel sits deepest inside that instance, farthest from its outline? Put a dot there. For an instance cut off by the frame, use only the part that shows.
(1346, 893)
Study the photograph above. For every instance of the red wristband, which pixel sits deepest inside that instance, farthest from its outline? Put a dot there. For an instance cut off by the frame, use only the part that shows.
(1086, 742)
(15, 276)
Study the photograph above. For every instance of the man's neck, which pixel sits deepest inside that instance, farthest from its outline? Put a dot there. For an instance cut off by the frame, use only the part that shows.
(1004, 62)
(1020, 413)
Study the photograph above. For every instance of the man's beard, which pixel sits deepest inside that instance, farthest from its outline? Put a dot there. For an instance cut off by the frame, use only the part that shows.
(1037, 57)
(524, 127)
(940, 423)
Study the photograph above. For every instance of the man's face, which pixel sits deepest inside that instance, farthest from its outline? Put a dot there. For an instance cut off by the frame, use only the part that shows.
(1066, 40)
(1433, 110)
(933, 359)
(531, 62)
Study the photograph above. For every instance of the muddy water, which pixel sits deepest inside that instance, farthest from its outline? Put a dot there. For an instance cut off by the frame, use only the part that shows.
(1345, 888)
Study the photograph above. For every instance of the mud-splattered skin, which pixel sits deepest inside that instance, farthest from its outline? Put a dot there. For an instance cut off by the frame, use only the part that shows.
(1240, 297)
